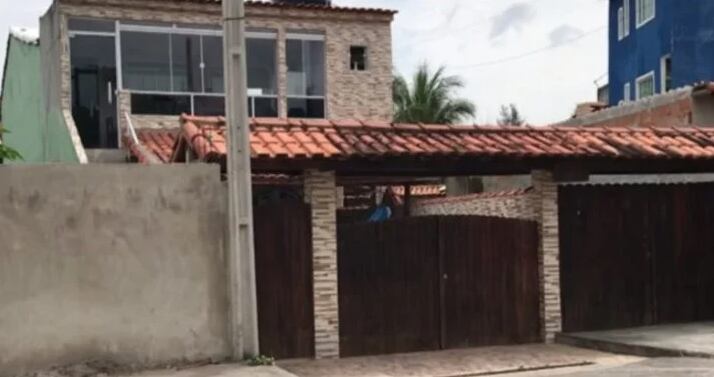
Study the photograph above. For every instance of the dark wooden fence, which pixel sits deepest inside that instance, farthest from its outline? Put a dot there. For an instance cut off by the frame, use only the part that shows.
(430, 283)
(283, 259)
(636, 255)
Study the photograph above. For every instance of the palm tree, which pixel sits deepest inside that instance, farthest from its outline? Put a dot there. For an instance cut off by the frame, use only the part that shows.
(431, 99)
(510, 116)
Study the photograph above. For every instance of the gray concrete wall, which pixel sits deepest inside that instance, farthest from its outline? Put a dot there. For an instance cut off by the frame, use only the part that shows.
(112, 263)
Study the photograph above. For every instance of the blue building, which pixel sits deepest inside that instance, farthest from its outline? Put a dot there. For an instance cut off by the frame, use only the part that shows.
(658, 45)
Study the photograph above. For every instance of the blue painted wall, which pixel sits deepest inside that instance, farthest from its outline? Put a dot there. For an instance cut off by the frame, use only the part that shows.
(682, 28)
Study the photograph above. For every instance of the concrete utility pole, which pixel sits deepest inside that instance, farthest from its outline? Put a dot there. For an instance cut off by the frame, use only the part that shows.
(241, 253)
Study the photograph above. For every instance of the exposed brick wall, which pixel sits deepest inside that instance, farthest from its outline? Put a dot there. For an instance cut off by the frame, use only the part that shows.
(320, 193)
(349, 94)
(517, 204)
(545, 201)
(674, 109)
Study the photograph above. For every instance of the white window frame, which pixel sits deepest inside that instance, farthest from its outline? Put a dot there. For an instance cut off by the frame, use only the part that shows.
(638, 8)
(627, 91)
(626, 13)
(309, 37)
(647, 76)
(620, 23)
(663, 72)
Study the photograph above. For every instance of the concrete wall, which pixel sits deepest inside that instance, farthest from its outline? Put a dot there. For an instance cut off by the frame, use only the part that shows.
(349, 94)
(21, 104)
(111, 262)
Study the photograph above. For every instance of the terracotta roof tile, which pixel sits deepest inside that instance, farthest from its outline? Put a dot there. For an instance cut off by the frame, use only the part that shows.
(309, 139)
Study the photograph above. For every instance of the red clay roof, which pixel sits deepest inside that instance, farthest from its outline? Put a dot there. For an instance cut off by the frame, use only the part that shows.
(349, 139)
(309, 139)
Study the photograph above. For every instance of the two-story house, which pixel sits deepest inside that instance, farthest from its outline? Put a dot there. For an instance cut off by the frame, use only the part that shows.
(111, 64)
(658, 45)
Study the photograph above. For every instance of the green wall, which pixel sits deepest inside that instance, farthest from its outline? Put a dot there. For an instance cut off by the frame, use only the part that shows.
(39, 135)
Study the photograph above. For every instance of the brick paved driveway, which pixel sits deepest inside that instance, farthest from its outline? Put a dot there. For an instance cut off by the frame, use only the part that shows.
(457, 363)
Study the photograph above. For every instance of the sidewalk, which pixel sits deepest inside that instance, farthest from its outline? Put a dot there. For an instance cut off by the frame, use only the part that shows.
(688, 339)
(456, 363)
(225, 370)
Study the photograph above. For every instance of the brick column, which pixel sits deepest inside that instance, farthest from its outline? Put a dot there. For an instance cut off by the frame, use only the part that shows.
(546, 208)
(320, 193)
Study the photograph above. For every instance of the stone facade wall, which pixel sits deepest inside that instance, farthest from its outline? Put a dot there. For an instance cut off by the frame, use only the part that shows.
(349, 94)
(516, 204)
(321, 194)
(545, 201)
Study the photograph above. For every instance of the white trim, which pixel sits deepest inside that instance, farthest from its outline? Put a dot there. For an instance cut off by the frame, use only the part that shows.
(119, 73)
(91, 33)
(169, 30)
(305, 97)
(639, 23)
(305, 36)
(627, 92)
(663, 73)
(620, 23)
(627, 18)
(647, 76)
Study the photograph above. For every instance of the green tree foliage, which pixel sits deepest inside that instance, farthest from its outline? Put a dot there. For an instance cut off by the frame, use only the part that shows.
(7, 153)
(510, 116)
(431, 98)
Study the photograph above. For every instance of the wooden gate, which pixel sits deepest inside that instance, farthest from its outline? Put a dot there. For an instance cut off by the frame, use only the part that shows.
(429, 283)
(636, 255)
(283, 259)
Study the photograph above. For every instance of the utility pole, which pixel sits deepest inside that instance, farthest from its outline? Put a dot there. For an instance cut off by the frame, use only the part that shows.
(241, 250)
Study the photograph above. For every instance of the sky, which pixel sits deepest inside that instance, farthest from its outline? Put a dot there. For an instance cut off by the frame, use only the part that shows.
(544, 56)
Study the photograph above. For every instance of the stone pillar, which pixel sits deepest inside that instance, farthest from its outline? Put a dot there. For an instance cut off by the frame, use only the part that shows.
(282, 74)
(320, 193)
(546, 208)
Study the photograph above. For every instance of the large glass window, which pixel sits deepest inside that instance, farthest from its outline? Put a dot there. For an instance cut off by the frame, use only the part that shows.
(306, 76)
(213, 64)
(189, 62)
(186, 63)
(146, 61)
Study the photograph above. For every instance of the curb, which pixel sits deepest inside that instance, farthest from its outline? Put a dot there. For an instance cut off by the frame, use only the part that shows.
(581, 341)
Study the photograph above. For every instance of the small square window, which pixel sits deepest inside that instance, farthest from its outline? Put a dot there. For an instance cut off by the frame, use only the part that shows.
(358, 58)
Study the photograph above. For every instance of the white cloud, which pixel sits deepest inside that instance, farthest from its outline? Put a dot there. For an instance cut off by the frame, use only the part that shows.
(456, 33)
(515, 18)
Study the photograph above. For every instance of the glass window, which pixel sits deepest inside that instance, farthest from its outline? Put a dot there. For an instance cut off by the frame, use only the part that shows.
(306, 108)
(646, 86)
(146, 62)
(213, 64)
(85, 24)
(620, 23)
(358, 58)
(666, 72)
(160, 104)
(645, 11)
(626, 95)
(186, 63)
(209, 105)
(264, 107)
(306, 67)
(262, 66)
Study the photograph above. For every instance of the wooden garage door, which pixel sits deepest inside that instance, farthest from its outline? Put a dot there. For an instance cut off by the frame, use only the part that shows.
(636, 255)
(283, 259)
(430, 283)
